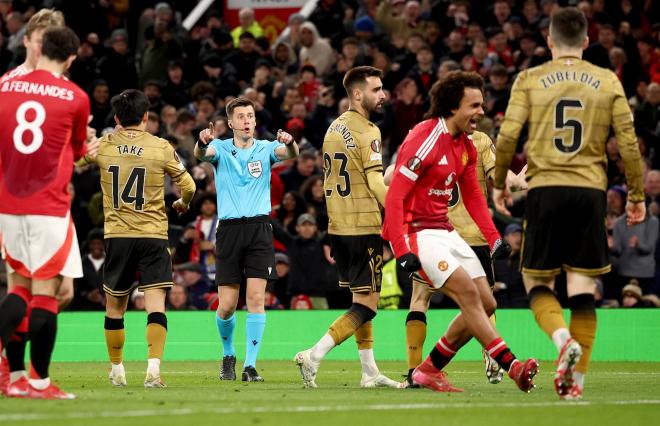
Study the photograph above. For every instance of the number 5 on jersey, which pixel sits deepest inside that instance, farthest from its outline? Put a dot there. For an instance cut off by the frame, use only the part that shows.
(134, 185)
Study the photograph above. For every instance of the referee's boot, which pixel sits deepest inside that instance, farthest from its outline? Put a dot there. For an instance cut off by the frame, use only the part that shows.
(228, 368)
(250, 375)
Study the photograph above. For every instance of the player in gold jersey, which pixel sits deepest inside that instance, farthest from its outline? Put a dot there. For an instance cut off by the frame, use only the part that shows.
(133, 166)
(354, 189)
(470, 232)
(570, 106)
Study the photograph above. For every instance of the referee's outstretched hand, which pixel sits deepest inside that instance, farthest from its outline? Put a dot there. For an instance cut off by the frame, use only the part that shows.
(207, 135)
(409, 262)
(284, 137)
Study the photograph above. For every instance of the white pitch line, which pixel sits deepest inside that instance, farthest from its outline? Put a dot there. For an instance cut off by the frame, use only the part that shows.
(312, 409)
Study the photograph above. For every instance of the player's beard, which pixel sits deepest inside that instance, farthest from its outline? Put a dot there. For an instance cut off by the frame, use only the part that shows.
(371, 106)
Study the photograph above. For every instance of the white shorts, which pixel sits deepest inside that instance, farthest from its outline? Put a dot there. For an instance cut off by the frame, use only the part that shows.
(40, 247)
(441, 253)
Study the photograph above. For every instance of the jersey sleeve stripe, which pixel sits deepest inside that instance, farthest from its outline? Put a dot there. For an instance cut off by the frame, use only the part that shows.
(426, 146)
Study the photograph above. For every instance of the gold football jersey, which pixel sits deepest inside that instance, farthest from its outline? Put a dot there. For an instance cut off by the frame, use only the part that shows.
(570, 105)
(351, 148)
(458, 214)
(133, 165)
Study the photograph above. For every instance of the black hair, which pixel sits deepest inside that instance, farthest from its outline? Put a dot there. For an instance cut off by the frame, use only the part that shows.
(447, 93)
(129, 106)
(59, 43)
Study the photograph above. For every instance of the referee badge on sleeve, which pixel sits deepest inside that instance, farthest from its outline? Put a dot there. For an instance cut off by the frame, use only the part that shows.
(254, 167)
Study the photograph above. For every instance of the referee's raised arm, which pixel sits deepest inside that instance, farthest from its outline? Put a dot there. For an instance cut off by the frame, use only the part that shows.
(202, 150)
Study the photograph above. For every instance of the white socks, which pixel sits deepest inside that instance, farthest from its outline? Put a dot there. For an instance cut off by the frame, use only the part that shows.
(560, 337)
(368, 362)
(153, 367)
(15, 375)
(322, 347)
(40, 384)
(118, 369)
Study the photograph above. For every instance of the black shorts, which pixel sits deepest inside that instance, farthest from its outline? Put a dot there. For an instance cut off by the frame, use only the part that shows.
(565, 228)
(244, 249)
(127, 260)
(359, 261)
(483, 254)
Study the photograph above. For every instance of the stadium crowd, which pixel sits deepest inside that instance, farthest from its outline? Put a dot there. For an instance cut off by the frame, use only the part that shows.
(296, 83)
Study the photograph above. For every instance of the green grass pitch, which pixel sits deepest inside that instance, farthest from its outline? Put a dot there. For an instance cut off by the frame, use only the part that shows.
(622, 394)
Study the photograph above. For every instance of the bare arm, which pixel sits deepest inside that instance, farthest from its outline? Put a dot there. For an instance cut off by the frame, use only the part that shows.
(290, 150)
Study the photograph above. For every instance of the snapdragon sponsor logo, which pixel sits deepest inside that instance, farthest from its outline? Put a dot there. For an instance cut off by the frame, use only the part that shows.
(440, 192)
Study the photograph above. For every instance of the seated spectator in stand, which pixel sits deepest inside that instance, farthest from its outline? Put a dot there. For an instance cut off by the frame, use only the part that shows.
(509, 289)
(88, 295)
(247, 24)
(153, 94)
(196, 283)
(616, 198)
(177, 299)
(271, 301)
(631, 297)
(183, 132)
(307, 261)
(117, 67)
(244, 59)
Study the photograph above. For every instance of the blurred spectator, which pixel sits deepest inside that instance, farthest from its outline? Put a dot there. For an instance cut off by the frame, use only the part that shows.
(633, 250)
(291, 208)
(328, 16)
(631, 297)
(247, 24)
(244, 58)
(202, 250)
(647, 115)
(616, 199)
(304, 167)
(509, 289)
(177, 299)
(307, 261)
(161, 48)
(496, 93)
(197, 285)
(403, 24)
(83, 69)
(117, 67)
(315, 50)
(280, 285)
(424, 70)
(175, 92)
(284, 60)
(88, 295)
(101, 110)
(481, 60)
(408, 111)
(15, 30)
(314, 195)
(598, 53)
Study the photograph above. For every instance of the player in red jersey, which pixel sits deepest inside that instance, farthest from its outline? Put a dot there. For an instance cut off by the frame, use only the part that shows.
(15, 382)
(437, 154)
(44, 118)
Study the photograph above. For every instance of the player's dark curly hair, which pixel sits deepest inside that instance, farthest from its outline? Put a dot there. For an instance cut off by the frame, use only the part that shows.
(129, 106)
(446, 94)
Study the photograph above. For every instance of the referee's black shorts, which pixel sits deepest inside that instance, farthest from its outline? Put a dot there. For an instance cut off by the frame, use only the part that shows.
(244, 249)
(565, 229)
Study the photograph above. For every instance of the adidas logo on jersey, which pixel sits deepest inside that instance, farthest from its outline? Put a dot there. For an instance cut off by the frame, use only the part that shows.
(443, 161)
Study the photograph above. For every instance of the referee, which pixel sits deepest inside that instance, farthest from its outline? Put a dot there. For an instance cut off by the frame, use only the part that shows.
(244, 239)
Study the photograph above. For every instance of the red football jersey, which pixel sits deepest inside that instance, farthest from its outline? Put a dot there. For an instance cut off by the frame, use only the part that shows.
(44, 128)
(429, 164)
(16, 72)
